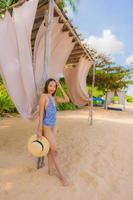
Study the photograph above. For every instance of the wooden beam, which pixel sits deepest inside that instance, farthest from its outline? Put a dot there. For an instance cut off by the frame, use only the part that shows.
(12, 6)
(55, 14)
(77, 50)
(42, 3)
(72, 65)
(92, 91)
(70, 34)
(36, 26)
(39, 18)
(77, 44)
(65, 28)
(60, 20)
(49, 26)
(74, 40)
(77, 47)
(76, 60)
(42, 8)
(33, 36)
(76, 55)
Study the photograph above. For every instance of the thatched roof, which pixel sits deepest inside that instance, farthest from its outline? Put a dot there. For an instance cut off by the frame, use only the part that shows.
(79, 48)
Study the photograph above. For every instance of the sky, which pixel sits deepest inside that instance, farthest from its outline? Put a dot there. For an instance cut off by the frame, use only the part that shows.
(107, 26)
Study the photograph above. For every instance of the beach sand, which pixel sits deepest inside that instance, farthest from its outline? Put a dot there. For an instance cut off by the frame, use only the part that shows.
(98, 159)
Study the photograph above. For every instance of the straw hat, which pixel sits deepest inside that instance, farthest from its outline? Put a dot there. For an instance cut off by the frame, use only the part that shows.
(37, 147)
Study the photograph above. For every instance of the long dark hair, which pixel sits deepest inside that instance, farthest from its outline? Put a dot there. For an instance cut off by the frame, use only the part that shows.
(47, 84)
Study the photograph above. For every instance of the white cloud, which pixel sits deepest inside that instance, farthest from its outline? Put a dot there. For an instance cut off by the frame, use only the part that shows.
(108, 43)
(129, 60)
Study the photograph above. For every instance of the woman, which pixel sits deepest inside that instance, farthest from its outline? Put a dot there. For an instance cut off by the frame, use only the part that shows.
(47, 123)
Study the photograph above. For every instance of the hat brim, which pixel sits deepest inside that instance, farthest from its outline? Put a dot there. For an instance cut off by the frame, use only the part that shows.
(44, 146)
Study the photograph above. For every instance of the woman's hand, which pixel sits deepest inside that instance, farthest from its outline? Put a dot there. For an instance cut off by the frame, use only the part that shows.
(65, 98)
(58, 84)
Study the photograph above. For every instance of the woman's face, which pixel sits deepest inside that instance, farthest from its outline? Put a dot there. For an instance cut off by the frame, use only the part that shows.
(52, 87)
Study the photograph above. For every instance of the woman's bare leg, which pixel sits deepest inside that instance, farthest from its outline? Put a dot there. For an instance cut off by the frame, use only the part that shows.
(52, 141)
(50, 162)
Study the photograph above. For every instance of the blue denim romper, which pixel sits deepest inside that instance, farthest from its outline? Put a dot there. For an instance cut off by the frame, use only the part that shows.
(50, 114)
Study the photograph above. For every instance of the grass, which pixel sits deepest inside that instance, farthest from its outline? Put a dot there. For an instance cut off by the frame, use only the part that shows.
(129, 99)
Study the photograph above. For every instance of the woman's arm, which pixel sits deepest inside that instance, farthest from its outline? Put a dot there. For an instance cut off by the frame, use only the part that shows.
(42, 103)
(65, 98)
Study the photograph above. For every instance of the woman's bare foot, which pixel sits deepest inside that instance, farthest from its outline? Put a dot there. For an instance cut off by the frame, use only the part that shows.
(49, 172)
(64, 180)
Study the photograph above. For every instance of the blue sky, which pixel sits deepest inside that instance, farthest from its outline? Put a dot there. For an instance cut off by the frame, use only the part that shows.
(108, 25)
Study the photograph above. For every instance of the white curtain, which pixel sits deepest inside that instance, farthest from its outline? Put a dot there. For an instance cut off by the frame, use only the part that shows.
(60, 54)
(10, 66)
(39, 51)
(15, 57)
(62, 46)
(23, 21)
(75, 78)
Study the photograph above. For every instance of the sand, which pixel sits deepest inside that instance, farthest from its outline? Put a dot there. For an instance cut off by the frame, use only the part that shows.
(98, 159)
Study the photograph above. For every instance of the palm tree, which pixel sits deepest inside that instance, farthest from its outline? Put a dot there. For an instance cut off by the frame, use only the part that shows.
(6, 3)
(72, 3)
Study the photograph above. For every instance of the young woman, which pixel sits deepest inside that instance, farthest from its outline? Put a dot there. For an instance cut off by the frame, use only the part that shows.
(47, 123)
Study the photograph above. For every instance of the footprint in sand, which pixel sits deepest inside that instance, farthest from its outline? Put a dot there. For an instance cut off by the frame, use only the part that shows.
(89, 179)
(29, 169)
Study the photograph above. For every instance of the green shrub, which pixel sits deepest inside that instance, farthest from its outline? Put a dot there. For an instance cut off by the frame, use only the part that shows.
(129, 99)
(96, 92)
(64, 106)
(116, 99)
(6, 104)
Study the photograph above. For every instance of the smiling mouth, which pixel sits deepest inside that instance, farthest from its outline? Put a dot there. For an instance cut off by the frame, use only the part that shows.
(51, 91)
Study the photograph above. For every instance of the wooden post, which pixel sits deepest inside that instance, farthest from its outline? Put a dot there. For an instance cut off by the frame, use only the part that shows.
(49, 24)
(124, 103)
(92, 91)
(106, 101)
